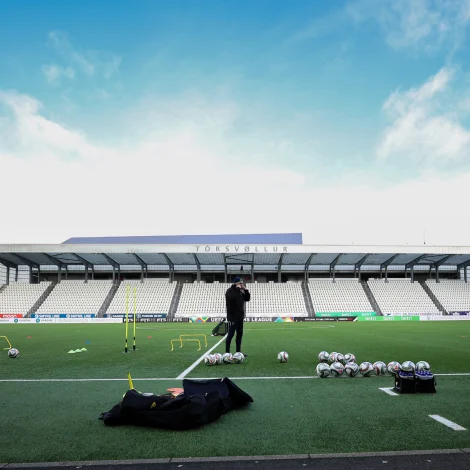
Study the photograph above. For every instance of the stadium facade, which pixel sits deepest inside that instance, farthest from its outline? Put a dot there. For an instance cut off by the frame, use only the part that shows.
(208, 258)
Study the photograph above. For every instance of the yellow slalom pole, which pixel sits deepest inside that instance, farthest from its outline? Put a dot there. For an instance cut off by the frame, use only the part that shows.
(135, 310)
(127, 316)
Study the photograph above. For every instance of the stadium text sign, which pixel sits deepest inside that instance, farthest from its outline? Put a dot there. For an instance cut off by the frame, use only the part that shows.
(241, 249)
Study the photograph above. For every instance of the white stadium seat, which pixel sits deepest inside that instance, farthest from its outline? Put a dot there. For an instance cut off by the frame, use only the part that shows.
(152, 296)
(270, 299)
(454, 296)
(74, 297)
(344, 295)
(402, 297)
(20, 297)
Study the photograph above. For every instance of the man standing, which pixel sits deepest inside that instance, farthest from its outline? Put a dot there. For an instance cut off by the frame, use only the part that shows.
(235, 299)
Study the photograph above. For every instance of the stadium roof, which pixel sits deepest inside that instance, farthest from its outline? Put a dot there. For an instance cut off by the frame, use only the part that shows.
(303, 256)
(241, 239)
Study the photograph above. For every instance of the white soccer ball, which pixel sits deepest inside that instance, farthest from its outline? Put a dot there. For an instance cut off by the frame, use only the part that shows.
(348, 357)
(408, 366)
(366, 369)
(337, 369)
(340, 358)
(380, 368)
(282, 356)
(351, 369)
(323, 356)
(423, 365)
(227, 358)
(323, 370)
(13, 352)
(393, 367)
(332, 357)
(238, 357)
(210, 360)
(218, 358)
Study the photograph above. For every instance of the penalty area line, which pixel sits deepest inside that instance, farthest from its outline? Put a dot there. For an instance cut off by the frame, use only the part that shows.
(388, 391)
(448, 423)
(194, 364)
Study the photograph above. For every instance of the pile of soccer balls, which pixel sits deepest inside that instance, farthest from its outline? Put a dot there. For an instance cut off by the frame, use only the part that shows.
(227, 358)
(337, 364)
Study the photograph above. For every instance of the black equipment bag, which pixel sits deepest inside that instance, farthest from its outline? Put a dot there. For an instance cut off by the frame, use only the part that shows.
(221, 329)
(417, 382)
(405, 382)
(202, 402)
(425, 382)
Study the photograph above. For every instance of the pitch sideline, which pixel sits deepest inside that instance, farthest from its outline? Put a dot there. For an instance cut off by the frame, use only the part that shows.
(160, 379)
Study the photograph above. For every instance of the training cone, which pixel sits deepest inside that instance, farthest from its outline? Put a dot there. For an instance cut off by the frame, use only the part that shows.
(71, 352)
(83, 349)
(149, 337)
(29, 337)
(87, 341)
(78, 350)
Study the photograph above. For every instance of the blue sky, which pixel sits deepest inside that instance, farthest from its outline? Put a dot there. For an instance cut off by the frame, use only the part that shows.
(347, 121)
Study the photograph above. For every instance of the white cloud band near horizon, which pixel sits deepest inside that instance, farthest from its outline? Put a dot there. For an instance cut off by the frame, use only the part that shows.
(184, 175)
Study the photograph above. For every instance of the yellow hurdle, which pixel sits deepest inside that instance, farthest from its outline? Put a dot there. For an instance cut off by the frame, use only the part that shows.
(180, 340)
(205, 338)
(9, 344)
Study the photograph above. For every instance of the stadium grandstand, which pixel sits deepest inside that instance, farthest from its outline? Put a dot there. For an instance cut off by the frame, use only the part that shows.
(178, 277)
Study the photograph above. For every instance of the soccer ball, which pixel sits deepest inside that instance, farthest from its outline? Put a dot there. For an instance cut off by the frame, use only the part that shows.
(238, 357)
(393, 367)
(366, 369)
(218, 358)
(323, 370)
(351, 369)
(348, 357)
(380, 368)
(210, 360)
(340, 358)
(13, 352)
(227, 358)
(282, 356)
(332, 357)
(423, 365)
(323, 356)
(337, 369)
(408, 366)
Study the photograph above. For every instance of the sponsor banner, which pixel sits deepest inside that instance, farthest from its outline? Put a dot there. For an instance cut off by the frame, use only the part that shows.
(307, 319)
(45, 320)
(391, 318)
(199, 319)
(139, 315)
(345, 314)
(460, 313)
(445, 317)
(284, 319)
(63, 315)
(11, 315)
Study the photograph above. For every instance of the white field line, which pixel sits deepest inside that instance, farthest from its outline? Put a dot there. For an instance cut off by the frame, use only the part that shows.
(388, 391)
(195, 363)
(446, 422)
(299, 377)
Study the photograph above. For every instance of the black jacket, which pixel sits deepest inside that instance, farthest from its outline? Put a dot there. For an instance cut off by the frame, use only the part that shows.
(235, 301)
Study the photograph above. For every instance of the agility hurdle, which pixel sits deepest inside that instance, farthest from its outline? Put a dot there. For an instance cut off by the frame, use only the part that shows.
(179, 340)
(8, 341)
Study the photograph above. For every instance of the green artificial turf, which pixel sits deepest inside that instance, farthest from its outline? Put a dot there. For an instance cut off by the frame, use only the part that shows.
(58, 421)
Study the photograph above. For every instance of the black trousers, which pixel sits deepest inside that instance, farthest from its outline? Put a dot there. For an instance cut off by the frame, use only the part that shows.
(234, 326)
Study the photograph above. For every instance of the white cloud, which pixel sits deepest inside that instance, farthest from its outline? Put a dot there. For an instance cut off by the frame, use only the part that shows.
(91, 63)
(182, 174)
(420, 25)
(425, 127)
(54, 73)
